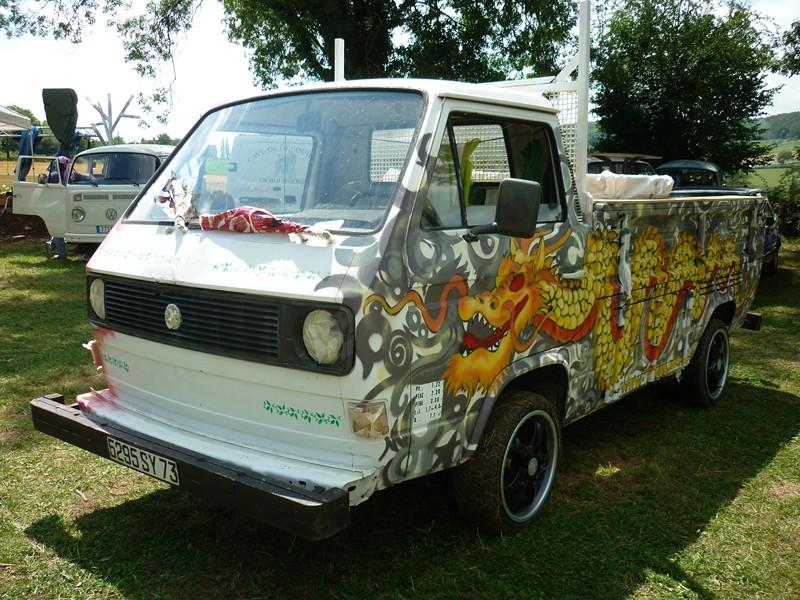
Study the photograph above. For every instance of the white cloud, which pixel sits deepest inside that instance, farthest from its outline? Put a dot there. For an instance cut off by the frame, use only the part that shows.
(784, 13)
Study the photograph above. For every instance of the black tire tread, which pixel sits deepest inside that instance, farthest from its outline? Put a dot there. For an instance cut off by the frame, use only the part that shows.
(694, 383)
(476, 483)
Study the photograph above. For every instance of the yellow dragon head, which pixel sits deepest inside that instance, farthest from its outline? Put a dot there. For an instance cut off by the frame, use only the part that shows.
(495, 320)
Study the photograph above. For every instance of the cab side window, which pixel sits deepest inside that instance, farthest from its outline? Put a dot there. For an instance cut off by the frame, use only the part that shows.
(475, 155)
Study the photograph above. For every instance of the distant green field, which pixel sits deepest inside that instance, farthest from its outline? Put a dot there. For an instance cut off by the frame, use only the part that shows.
(783, 145)
(767, 176)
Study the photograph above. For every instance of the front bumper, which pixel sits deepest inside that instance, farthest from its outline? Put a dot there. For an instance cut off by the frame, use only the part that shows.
(84, 238)
(311, 514)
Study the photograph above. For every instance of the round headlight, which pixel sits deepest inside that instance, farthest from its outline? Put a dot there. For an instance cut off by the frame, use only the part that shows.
(323, 337)
(97, 297)
(78, 214)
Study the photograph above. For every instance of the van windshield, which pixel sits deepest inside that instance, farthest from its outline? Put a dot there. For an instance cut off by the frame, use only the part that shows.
(120, 168)
(328, 160)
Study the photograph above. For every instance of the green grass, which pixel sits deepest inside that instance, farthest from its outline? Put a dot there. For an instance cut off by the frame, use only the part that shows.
(655, 499)
(783, 145)
(767, 176)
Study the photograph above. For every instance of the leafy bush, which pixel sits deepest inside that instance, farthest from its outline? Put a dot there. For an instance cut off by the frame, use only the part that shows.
(785, 197)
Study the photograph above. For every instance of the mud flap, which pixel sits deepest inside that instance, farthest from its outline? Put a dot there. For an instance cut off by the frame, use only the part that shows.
(752, 321)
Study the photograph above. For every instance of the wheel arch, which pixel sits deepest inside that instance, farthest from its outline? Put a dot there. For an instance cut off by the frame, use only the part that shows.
(725, 312)
(549, 380)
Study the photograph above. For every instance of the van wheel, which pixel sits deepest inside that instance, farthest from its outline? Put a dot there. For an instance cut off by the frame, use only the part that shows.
(707, 373)
(508, 480)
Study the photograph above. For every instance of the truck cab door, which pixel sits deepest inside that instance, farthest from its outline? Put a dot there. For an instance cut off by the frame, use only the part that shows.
(46, 199)
(475, 281)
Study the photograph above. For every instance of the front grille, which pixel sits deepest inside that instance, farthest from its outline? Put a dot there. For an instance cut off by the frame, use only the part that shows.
(223, 323)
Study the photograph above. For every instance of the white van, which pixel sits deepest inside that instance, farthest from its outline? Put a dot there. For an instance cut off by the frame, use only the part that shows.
(82, 204)
(268, 171)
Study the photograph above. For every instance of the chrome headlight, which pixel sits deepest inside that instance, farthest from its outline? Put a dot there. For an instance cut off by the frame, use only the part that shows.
(97, 297)
(78, 214)
(323, 337)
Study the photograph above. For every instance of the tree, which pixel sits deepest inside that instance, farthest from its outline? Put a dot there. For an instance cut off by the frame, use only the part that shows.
(785, 126)
(25, 112)
(293, 40)
(45, 146)
(790, 62)
(683, 79)
(162, 138)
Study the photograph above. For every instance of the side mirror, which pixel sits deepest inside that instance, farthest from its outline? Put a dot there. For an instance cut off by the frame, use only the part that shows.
(517, 210)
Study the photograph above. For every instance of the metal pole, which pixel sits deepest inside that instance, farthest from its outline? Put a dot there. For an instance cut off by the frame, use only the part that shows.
(338, 59)
(582, 131)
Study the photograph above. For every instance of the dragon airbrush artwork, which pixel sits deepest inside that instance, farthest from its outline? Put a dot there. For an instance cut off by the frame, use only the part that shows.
(619, 307)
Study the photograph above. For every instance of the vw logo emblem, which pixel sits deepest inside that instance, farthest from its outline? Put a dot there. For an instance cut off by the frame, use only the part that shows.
(172, 316)
(111, 214)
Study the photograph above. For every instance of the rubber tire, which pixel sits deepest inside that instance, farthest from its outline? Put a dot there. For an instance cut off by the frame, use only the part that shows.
(495, 489)
(771, 266)
(707, 373)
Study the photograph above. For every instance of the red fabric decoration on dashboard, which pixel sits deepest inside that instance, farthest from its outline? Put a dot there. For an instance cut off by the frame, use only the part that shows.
(247, 219)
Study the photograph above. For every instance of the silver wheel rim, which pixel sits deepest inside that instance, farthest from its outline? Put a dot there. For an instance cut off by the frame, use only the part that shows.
(529, 466)
(717, 364)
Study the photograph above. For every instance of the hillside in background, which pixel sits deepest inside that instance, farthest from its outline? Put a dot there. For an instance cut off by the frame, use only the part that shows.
(782, 129)
(785, 126)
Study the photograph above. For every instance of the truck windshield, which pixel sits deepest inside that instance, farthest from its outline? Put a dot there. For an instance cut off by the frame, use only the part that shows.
(330, 160)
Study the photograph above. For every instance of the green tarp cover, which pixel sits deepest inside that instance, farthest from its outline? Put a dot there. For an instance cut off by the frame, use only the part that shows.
(61, 108)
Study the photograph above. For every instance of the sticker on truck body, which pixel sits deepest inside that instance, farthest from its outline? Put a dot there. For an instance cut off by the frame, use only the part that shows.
(427, 402)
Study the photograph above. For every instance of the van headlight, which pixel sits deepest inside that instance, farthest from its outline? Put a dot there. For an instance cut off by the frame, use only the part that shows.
(97, 297)
(78, 214)
(323, 337)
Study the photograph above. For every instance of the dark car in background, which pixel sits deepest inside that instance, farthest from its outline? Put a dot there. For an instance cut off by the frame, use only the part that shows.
(622, 164)
(692, 173)
(699, 177)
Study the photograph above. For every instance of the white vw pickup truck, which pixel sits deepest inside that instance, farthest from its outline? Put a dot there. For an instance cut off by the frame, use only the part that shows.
(367, 282)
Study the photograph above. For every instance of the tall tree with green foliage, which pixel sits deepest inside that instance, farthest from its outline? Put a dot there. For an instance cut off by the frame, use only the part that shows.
(789, 63)
(683, 79)
(293, 40)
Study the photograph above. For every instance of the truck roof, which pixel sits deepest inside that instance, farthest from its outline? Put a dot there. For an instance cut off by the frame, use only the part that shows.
(518, 94)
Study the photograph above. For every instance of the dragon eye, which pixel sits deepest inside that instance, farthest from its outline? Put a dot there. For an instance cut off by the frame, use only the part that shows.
(517, 283)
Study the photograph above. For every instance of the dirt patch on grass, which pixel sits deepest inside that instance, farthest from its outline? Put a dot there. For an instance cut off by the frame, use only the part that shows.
(788, 490)
(11, 435)
(21, 227)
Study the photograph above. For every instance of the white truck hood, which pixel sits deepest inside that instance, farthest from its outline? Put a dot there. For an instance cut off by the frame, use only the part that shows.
(276, 264)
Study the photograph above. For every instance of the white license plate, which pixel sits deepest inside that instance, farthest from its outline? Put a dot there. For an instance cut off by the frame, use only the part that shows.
(103, 228)
(143, 461)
